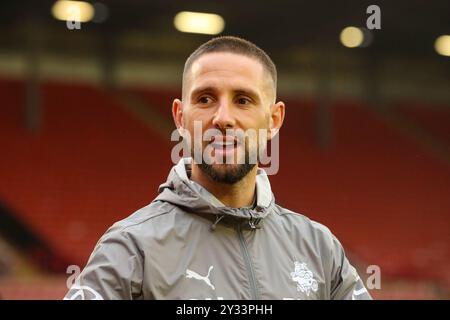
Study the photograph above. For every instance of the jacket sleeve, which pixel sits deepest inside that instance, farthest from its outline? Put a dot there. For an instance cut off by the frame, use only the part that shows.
(345, 283)
(114, 271)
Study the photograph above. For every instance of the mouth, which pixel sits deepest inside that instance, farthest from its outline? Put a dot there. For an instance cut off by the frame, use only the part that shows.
(223, 145)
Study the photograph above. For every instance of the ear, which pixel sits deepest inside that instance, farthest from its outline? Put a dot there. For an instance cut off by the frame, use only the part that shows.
(276, 118)
(177, 113)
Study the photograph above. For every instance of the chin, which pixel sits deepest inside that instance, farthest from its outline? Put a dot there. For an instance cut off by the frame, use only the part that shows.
(226, 173)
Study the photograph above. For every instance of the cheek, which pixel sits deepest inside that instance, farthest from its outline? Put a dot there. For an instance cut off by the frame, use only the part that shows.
(198, 115)
(252, 122)
(196, 128)
(253, 125)
(260, 118)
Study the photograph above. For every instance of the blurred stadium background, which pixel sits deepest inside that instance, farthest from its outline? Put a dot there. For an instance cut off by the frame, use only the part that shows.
(365, 149)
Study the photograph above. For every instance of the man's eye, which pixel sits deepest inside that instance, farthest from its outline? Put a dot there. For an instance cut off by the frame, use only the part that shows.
(204, 100)
(243, 101)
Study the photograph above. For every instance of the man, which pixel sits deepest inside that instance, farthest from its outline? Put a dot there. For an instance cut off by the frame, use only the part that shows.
(215, 231)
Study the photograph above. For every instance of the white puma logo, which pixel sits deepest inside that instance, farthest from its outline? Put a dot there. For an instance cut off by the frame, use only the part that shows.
(195, 275)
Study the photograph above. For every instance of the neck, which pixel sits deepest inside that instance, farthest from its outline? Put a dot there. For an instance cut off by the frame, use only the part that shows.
(237, 195)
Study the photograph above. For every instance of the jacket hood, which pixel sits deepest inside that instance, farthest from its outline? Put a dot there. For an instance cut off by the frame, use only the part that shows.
(180, 191)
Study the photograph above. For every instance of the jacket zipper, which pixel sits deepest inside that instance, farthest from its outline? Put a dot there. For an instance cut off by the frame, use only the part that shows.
(248, 264)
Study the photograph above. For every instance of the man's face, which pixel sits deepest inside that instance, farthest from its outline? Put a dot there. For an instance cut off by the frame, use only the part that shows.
(226, 92)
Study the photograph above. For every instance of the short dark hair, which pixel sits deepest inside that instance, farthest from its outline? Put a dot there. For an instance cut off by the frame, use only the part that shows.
(233, 45)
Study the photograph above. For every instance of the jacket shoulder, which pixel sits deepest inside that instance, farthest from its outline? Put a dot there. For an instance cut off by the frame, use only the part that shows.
(305, 225)
(141, 220)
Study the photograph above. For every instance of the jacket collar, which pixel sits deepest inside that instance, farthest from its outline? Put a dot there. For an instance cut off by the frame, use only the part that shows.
(183, 192)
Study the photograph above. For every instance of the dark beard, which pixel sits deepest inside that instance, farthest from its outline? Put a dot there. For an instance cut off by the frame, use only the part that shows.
(230, 176)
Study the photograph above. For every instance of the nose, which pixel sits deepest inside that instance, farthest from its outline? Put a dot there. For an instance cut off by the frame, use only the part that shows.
(224, 118)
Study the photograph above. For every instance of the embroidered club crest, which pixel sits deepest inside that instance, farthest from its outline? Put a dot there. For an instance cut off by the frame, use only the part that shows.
(304, 278)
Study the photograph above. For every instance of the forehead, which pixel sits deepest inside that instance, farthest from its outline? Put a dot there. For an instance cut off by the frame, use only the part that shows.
(224, 68)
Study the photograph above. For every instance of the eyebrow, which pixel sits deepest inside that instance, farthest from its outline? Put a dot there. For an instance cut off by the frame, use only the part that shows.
(244, 91)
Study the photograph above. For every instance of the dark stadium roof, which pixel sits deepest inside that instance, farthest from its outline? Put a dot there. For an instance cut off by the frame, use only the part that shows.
(408, 27)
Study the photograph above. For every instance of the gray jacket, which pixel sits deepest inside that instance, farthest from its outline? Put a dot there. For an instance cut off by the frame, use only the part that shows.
(187, 245)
